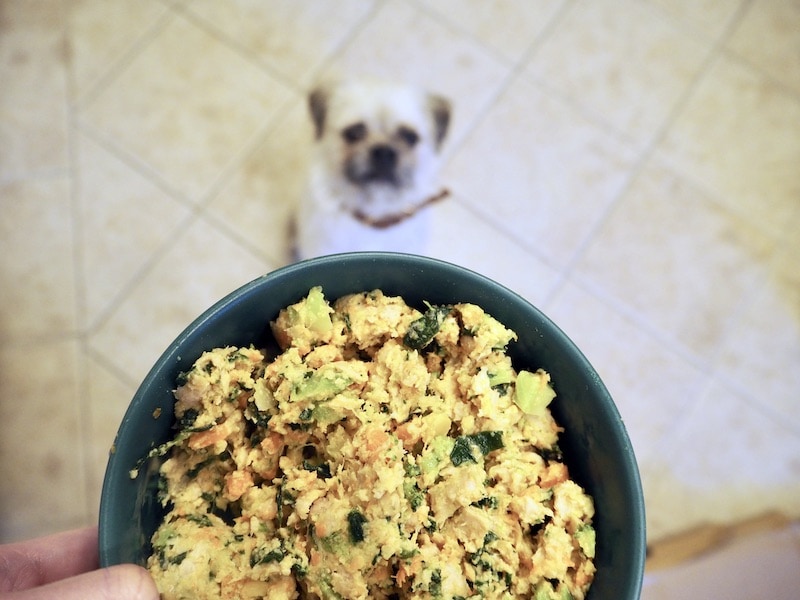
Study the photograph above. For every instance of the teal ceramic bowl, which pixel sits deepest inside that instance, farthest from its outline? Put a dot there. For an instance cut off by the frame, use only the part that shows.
(595, 444)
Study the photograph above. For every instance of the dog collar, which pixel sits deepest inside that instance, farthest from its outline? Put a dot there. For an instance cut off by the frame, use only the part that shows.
(390, 220)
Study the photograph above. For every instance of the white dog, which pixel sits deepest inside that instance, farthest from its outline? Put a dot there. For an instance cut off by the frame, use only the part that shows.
(373, 170)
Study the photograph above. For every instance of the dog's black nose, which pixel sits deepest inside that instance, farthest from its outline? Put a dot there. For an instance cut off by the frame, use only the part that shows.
(384, 159)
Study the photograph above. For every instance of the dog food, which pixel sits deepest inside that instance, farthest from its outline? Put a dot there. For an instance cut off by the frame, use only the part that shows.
(386, 452)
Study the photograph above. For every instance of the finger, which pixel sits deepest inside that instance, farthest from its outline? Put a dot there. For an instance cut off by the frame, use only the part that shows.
(40, 561)
(121, 582)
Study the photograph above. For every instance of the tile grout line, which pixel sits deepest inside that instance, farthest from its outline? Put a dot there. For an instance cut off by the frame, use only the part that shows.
(443, 20)
(78, 105)
(357, 29)
(743, 308)
(199, 208)
(693, 29)
(136, 278)
(718, 52)
(181, 11)
(515, 71)
(119, 374)
(38, 175)
(688, 25)
(78, 261)
(678, 423)
(553, 93)
(122, 61)
(649, 151)
(248, 149)
(134, 163)
(638, 319)
(645, 326)
(656, 465)
(271, 262)
(709, 367)
(275, 122)
(768, 412)
(154, 178)
(783, 87)
(716, 199)
(216, 188)
(709, 370)
(196, 209)
(244, 52)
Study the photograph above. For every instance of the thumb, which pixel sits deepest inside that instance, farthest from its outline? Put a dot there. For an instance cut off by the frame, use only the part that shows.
(120, 582)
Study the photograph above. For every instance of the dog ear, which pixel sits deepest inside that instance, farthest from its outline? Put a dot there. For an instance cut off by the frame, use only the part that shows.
(318, 106)
(441, 109)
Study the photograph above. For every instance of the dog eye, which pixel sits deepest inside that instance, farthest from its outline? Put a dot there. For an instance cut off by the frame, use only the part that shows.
(354, 133)
(408, 135)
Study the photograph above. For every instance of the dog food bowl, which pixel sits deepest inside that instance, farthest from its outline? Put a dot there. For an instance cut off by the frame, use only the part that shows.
(595, 444)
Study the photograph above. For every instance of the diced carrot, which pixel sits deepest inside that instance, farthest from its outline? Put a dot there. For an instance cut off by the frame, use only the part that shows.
(553, 474)
(237, 483)
(203, 439)
(273, 443)
(376, 438)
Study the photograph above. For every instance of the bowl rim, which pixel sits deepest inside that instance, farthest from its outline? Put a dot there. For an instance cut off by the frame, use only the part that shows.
(630, 484)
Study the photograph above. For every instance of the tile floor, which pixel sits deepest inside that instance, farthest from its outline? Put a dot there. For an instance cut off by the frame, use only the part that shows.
(630, 166)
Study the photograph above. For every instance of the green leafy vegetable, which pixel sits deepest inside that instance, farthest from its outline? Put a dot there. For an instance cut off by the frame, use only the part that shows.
(435, 588)
(201, 520)
(485, 441)
(462, 452)
(322, 470)
(355, 526)
(422, 331)
(262, 556)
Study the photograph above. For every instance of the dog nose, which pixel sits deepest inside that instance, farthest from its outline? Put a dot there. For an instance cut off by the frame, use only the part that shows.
(383, 158)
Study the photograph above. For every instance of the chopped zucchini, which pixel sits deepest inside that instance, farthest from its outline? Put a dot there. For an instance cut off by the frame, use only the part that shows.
(533, 392)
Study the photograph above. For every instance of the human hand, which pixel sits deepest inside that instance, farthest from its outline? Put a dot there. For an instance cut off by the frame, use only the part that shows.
(65, 566)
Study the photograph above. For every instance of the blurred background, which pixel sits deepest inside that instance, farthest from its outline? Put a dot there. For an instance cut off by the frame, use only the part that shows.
(632, 167)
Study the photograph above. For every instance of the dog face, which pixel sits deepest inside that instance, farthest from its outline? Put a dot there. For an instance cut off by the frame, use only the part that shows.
(378, 135)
